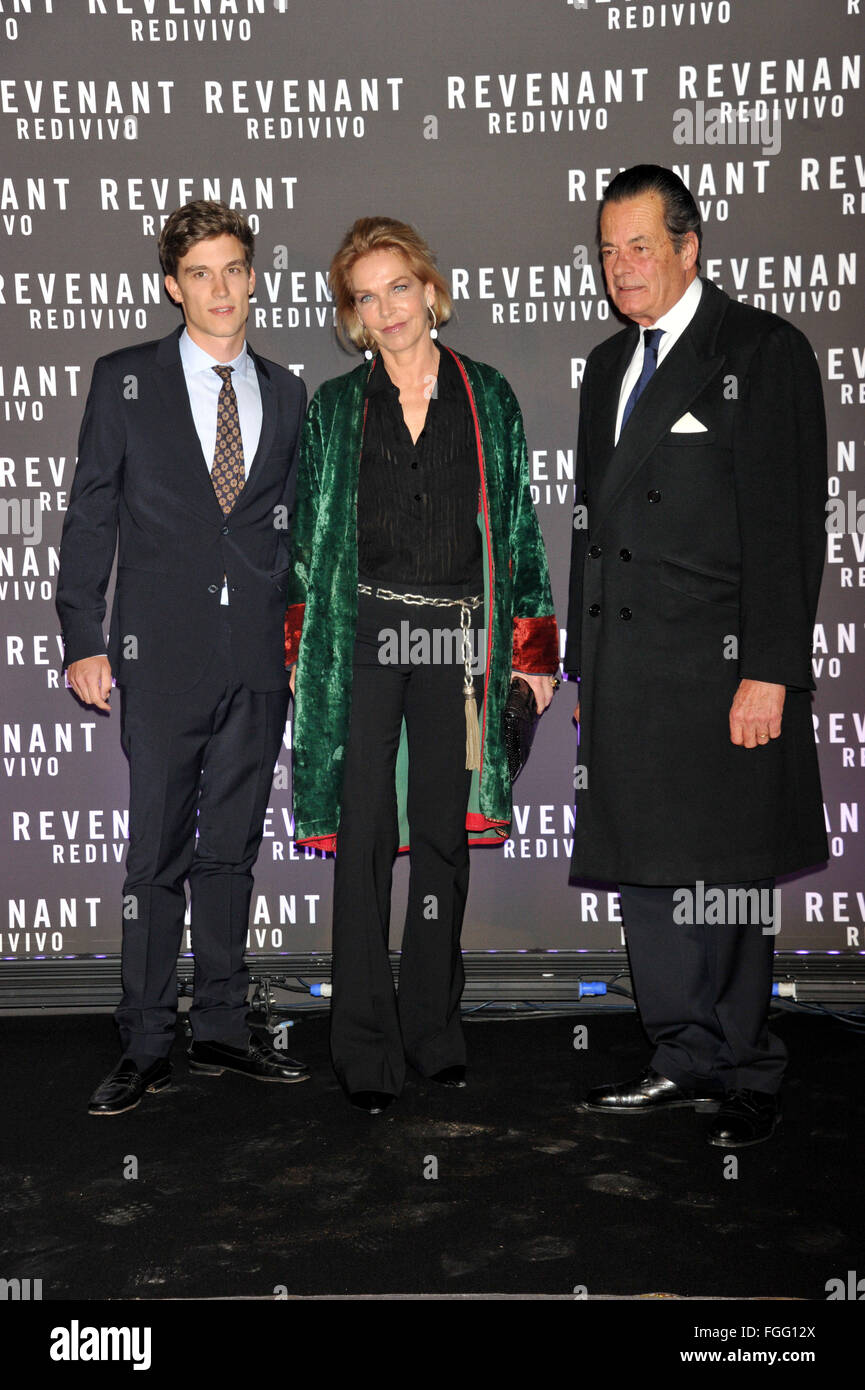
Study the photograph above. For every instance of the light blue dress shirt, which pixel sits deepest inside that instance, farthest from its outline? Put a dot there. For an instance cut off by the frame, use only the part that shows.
(203, 386)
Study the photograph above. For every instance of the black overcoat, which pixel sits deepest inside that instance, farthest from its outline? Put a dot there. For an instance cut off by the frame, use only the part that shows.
(698, 548)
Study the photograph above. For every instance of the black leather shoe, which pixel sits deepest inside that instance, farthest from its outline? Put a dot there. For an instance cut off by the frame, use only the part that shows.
(123, 1087)
(745, 1117)
(455, 1077)
(257, 1059)
(373, 1102)
(651, 1091)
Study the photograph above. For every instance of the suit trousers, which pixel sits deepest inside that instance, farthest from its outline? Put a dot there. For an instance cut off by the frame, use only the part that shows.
(201, 768)
(703, 988)
(374, 1033)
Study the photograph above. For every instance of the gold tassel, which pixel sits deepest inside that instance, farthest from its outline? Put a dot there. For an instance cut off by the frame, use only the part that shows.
(473, 733)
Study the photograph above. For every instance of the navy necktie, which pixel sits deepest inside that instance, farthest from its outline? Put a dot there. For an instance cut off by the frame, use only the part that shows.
(651, 341)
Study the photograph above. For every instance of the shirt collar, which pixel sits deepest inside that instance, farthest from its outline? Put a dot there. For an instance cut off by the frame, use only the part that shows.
(378, 380)
(195, 359)
(676, 320)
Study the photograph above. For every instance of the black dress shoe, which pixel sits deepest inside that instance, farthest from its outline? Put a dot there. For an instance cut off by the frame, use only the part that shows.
(123, 1087)
(651, 1091)
(455, 1077)
(257, 1059)
(745, 1117)
(373, 1102)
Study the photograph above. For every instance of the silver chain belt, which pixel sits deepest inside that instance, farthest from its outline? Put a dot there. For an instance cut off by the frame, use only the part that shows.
(465, 605)
(421, 600)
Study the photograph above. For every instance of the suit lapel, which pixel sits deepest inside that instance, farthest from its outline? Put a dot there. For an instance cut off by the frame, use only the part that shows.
(268, 419)
(605, 426)
(681, 377)
(182, 435)
(192, 465)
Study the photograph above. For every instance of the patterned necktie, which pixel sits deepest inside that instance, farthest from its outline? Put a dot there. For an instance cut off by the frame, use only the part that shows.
(228, 474)
(651, 341)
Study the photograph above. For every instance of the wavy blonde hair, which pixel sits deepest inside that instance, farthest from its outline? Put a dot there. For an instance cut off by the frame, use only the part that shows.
(381, 234)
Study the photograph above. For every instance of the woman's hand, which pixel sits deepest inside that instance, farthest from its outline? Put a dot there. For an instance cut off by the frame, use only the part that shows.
(292, 678)
(543, 687)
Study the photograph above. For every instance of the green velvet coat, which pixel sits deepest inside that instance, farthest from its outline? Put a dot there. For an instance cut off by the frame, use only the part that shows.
(322, 597)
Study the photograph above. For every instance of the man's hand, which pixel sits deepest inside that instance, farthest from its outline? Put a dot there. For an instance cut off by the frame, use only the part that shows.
(755, 714)
(541, 685)
(90, 678)
(577, 712)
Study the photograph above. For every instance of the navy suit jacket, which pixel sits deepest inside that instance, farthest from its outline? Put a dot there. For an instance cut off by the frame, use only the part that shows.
(142, 488)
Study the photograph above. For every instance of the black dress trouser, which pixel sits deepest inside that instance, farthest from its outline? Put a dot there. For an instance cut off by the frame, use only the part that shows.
(703, 989)
(374, 1032)
(200, 770)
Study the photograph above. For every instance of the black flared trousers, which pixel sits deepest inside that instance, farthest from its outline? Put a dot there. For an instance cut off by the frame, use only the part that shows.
(374, 1031)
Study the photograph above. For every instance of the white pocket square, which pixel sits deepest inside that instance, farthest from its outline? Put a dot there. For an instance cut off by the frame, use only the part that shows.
(688, 424)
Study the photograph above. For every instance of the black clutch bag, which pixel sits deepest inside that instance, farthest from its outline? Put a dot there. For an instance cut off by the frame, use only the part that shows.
(519, 721)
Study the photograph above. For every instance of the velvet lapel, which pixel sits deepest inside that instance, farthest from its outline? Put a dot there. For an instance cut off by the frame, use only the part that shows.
(180, 432)
(345, 445)
(680, 378)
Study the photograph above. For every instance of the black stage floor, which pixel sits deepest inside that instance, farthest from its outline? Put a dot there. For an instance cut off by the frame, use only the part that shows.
(244, 1190)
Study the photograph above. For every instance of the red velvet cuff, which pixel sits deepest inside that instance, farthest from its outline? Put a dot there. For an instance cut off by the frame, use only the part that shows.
(536, 645)
(293, 629)
(326, 843)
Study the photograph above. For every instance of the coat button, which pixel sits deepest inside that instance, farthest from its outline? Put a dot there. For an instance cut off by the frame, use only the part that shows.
(213, 588)
(594, 551)
(625, 614)
(653, 495)
(584, 495)
(594, 610)
(225, 530)
(624, 554)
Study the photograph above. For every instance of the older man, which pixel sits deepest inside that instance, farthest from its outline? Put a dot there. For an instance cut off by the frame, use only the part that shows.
(698, 550)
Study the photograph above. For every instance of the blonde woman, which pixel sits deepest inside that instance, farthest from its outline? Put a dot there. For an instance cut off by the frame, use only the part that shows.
(419, 586)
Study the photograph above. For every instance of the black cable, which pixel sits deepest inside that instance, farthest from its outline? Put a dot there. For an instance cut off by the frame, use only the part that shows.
(854, 1020)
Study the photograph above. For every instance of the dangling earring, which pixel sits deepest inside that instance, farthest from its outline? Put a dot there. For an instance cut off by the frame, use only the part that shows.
(433, 331)
(367, 350)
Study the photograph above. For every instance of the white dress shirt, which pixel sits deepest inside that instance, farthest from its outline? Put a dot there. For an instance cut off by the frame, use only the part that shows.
(674, 323)
(203, 386)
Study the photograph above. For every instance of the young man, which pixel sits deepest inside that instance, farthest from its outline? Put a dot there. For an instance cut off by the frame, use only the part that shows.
(186, 465)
